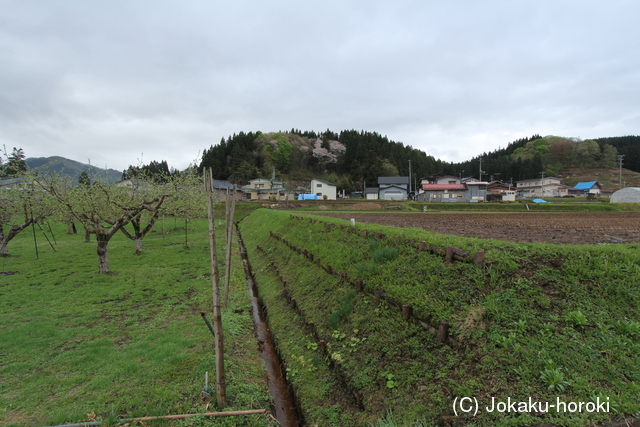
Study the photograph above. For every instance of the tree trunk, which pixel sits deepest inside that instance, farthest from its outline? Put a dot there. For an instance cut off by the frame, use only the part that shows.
(70, 228)
(103, 254)
(4, 251)
(87, 235)
(138, 245)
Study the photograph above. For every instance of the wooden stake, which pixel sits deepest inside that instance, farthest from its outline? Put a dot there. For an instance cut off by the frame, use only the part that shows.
(449, 257)
(221, 388)
(443, 332)
(227, 271)
(378, 295)
(406, 312)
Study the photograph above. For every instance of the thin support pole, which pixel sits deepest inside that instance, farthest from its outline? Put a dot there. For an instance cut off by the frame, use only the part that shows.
(227, 271)
(45, 236)
(221, 388)
(35, 241)
(51, 231)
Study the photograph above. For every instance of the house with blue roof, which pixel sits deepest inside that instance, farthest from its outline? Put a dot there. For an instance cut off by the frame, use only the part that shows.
(584, 188)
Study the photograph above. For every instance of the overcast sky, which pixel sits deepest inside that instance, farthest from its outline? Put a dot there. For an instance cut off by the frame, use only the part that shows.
(118, 82)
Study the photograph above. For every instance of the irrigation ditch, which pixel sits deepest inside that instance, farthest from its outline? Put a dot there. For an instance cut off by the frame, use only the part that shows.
(281, 392)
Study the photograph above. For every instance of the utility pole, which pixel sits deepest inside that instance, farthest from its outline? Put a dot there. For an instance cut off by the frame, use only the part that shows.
(409, 176)
(480, 169)
(620, 157)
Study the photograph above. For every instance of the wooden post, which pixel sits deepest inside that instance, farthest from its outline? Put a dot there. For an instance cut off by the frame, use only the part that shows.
(421, 245)
(221, 388)
(359, 285)
(227, 272)
(378, 295)
(443, 332)
(479, 258)
(406, 312)
(398, 239)
(322, 345)
(449, 257)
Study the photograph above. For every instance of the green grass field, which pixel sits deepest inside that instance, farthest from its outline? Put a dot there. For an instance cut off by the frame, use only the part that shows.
(75, 344)
(542, 321)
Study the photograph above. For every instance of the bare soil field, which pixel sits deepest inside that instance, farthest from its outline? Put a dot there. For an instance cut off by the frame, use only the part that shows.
(562, 228)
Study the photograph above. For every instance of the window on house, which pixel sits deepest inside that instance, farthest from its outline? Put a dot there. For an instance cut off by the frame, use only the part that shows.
(319, 194)
(319, 185)
(259, 185)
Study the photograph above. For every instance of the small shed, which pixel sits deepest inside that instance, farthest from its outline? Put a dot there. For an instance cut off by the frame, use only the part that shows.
(626, 195)
(371, 193)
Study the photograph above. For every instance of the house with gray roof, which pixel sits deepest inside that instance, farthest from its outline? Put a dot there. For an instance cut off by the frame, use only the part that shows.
(393, 187)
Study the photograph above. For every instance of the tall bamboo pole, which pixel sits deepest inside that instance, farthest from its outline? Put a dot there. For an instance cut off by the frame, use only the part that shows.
(227, 271)
(221, 388)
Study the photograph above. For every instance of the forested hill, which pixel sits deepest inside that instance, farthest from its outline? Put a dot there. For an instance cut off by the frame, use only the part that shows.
(347, 157)
(352, 157)
(628, 146)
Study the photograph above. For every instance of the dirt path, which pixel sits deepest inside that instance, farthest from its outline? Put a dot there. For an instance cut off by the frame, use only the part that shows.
(562, 228)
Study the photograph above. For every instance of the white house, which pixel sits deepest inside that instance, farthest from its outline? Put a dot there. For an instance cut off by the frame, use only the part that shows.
(323, 188)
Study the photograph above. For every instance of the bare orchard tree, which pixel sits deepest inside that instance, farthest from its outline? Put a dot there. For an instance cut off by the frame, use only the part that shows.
(102, 208)
(144, 221)
(21, 205)
(139, 229)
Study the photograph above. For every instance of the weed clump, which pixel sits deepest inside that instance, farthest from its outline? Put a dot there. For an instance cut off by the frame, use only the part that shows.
(343, 311)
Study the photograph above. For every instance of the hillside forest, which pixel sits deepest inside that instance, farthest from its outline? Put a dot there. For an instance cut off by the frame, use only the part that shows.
(353, 158)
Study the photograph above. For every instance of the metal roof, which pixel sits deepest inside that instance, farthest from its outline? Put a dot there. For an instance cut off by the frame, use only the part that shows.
(393, 180)
(585, 185)
(324, 182)
(436, 187)
(221, 184)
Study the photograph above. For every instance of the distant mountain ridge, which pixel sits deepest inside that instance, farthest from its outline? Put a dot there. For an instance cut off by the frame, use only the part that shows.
(71, 168)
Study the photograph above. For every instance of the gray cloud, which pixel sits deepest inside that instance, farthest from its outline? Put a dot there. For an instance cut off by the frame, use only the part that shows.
(108, 81)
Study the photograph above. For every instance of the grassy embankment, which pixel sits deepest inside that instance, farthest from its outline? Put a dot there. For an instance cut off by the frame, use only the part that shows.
(132, 343)
(539, 321)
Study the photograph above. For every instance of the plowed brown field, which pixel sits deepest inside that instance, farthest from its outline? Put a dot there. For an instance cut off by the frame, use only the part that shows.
(561, 228)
